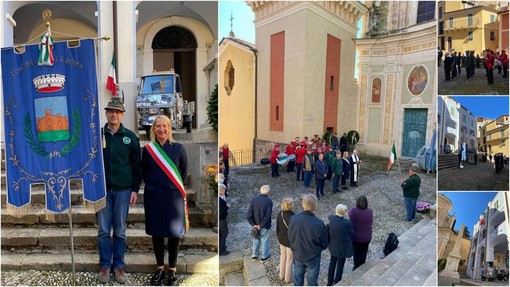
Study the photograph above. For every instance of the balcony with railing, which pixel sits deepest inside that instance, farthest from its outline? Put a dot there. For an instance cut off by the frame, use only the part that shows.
(498, 230)
(461, 24)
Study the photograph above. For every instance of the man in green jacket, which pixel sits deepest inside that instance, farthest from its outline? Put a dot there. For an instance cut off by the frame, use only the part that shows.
(121, 152)
(337, 170)
(411, 189)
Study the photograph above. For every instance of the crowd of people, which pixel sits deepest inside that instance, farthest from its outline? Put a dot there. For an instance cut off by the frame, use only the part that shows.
(302, 237)
(324, 159)
(455, 61)
(164, 195)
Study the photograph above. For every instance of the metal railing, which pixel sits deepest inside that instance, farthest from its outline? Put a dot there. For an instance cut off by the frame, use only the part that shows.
(242, 157)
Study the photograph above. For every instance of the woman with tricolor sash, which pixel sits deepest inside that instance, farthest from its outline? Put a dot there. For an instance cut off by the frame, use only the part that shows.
(164, 165)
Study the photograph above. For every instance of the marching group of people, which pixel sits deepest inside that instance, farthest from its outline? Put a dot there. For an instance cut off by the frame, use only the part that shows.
(303, 237)
(320, 159)
(454, 61)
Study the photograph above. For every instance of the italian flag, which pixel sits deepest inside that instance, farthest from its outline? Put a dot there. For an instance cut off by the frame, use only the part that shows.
(46, 50)
(393, 156)
(111, 83)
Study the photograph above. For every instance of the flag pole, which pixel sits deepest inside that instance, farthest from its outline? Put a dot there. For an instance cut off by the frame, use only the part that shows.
(72, 243)
(398, 160)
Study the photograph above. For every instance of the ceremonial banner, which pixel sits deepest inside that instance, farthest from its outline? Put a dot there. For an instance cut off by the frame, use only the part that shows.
(52, 129)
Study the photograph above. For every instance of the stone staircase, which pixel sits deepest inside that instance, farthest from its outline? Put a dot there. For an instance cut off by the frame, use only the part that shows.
(413, 263)
(447, 161)
(34, 242)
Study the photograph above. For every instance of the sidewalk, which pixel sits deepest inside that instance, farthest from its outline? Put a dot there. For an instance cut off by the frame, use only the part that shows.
(480, 177)
(476, 85)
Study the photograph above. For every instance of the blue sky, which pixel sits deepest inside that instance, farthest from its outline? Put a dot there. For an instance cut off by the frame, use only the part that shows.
(467, 206)
(489, 107)
(243, 26)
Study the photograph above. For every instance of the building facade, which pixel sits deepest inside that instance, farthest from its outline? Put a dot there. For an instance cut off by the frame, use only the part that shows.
(397, 77)
(446, 236)
(489, 244)
(467, 128)
(494, 136)
(449, 125)
(139, 32)
(503, 28)
(237, 97)
(305, 68)
(468, 25)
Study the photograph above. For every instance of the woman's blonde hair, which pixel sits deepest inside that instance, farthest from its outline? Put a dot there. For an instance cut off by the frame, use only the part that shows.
(287, 203)
(168, 122)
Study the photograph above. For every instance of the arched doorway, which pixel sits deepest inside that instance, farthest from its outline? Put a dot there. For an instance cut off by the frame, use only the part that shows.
(175, 47)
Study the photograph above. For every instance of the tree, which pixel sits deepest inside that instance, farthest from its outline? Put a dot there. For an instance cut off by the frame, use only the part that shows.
(212, 109)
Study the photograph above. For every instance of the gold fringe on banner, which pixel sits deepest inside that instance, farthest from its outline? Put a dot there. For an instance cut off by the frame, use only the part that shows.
(18, 212)
(96, 206)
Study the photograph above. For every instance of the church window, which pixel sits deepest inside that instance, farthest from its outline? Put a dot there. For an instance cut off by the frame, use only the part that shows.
(450, 22)
(493, 18)
(470, 36)
(332, 83)
(229, 77)
(277, 113)
(493, 36)
(470, 20)
(426, 11)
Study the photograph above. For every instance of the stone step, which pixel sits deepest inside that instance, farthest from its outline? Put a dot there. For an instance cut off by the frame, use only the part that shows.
(231, 263)
(254, 273)
(86, 239)
(83, 217)
(234, 279)
(404, 264)
(375, 266)
(38, 196)
(432, 280)
(189, 261)
(423, 268)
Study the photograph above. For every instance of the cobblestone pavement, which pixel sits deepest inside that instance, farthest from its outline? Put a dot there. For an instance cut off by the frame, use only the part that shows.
(476, 85)
(480, 177)
(381, 188)
(61, 278)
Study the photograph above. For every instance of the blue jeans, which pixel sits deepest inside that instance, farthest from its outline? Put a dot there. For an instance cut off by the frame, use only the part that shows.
(336, 182)
(299, 167)
(264, 241)
(300, 268)
(114, 215)
(338, 264)
(410, 205)
(307, 176)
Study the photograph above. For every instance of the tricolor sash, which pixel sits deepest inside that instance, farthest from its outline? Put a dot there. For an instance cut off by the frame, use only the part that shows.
(171, 170)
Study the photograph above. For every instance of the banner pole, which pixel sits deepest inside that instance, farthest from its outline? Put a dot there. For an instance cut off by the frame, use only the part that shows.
(398, 161)
(72, 243)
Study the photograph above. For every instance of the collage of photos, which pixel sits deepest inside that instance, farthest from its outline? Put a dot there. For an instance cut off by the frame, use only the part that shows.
(254, 143)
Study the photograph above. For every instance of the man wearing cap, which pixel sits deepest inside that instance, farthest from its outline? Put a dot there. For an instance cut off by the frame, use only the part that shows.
(337, 171)
(411, 189)
(300, 154)
(274, 165)
(308, 166)
(290, 149)
(121, 152)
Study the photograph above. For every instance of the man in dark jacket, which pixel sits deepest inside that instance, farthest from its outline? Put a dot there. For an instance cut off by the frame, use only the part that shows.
(411, 189)
(259, 217)
(343, 143)
(307, 238)
(321, 171)
(223, 206)
(337, 171)
(121, 152)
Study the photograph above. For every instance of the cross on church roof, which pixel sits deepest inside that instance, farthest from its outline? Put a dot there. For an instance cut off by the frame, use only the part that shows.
(231, 34)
